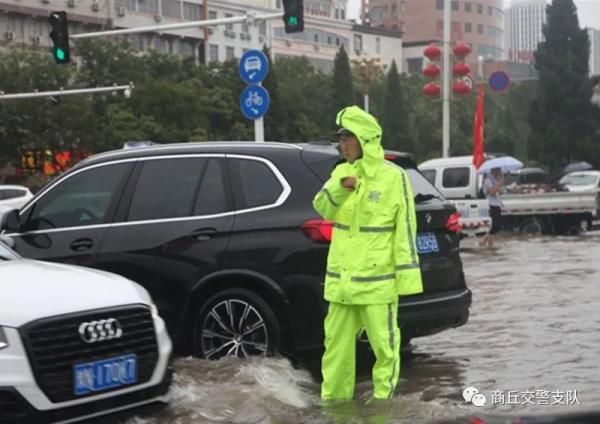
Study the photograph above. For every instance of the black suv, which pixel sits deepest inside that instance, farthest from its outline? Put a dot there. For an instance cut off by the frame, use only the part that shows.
(225, 239)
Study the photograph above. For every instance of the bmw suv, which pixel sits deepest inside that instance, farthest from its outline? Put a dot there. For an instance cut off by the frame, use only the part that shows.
(224, 237)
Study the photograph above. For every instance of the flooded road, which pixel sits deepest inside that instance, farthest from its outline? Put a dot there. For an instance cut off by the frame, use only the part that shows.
(532, 344)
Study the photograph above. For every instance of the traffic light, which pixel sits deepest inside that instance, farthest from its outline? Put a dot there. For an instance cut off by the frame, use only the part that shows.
(60, 37)
(293, 15)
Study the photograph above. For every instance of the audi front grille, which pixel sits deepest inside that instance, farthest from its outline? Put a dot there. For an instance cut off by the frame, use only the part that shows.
(54, 345)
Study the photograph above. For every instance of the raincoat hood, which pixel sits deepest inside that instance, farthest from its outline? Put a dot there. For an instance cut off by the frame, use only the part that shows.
(368, 132)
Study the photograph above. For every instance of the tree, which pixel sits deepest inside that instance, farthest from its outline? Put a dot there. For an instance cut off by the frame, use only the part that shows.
(396, 133)
(562, 117)
(342, 89)
(276, 117)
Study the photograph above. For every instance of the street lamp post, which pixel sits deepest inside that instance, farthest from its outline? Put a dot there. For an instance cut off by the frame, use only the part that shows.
(367, 68)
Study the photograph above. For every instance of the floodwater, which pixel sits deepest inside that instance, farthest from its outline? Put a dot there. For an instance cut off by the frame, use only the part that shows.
(531, 345)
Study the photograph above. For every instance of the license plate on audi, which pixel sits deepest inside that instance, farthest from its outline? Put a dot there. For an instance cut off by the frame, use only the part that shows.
(427, 243)
(105, 374)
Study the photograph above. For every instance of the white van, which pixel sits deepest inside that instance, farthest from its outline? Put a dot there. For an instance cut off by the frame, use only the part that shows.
(457, 179)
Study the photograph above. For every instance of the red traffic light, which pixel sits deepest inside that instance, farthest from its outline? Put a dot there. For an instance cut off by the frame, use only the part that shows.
(432, 71)
(432, 89)
(432, 52)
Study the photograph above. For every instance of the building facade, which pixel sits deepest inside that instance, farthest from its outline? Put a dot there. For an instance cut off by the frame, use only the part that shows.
(477, 22)
(594, 36)
(524, 23)
(26, 24)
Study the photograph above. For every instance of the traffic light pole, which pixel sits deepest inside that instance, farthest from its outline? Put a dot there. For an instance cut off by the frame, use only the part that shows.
(125, 88)
(249, 18)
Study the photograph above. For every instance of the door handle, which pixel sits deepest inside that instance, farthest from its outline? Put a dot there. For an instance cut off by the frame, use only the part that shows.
(203, 234)
(82, 244)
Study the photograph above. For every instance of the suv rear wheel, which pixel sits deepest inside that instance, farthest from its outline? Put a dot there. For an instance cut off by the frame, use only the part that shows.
(236, 322)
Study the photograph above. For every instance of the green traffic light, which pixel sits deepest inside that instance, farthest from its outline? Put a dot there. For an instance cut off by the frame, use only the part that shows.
(292, 21)
(60, 54)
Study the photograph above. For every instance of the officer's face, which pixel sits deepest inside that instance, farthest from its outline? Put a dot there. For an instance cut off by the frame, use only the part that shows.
(350, 146)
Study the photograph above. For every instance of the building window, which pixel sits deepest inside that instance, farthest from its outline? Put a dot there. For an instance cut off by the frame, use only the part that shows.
(343, 15)
(212, 14)
(490, 11)
(191, 12)
(337, 42)
(467, 7)
(480, 29)
(468, 27)
(329, 40)
(480, 9)
(454, 5)
(214, 53)
(230, 53)
(229, 26)
(378, 45)
(337, 13)
(439, 4)
(262, 29)
(245, 27)
(357, 43)
(316, 38)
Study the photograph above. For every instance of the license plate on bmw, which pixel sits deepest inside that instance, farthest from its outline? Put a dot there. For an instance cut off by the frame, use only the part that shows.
(427, 243)
(105, 374)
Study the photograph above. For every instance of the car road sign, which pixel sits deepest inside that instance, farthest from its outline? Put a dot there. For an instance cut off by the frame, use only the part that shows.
(253, 67)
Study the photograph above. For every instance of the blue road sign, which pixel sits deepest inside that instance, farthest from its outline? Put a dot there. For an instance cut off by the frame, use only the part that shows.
(499, 81)
(253, 66)
(254, 101)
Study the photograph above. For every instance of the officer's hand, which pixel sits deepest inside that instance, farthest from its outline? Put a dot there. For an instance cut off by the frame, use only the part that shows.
(349, 183)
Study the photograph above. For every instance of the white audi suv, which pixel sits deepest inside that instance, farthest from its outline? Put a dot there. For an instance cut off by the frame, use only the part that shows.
(76, 343)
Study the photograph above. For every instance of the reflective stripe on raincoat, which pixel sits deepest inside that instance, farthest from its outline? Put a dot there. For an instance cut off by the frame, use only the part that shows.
(373, 256)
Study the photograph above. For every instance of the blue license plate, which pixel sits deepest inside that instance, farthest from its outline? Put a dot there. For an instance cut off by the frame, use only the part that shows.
(106, 374)
(427, 243)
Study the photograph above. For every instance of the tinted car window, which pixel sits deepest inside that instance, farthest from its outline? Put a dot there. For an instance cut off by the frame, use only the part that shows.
(166, 188)
(11, 194)
(420, 184)
(455, 177)
(259, 186)
(83, 199)
(429, 174)
(212, 198)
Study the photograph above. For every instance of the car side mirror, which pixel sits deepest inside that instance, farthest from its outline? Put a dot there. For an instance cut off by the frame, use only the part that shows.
(10, 220)
(7, 241)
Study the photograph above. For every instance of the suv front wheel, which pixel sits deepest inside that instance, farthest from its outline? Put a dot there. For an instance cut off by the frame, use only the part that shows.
(236, 322)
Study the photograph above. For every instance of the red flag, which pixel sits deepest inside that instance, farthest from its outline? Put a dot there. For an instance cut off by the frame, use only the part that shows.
(478, 125)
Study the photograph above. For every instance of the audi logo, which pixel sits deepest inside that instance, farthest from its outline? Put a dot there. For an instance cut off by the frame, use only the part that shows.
(99, 331)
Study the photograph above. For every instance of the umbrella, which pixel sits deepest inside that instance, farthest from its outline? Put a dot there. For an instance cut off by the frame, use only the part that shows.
(577, 166)
(505, 163)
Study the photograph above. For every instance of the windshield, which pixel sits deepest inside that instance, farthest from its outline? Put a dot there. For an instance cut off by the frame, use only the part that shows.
(421, 185)
(579, 179)
(6, 254)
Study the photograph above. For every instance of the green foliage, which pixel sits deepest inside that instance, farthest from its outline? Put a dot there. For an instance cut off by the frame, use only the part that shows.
(177, 100)
(564, 122)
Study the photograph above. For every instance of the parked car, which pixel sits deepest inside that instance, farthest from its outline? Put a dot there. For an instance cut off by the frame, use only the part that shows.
(14, 196)
(76, 343)
(225, 239)
(527, 176)
(581, 181)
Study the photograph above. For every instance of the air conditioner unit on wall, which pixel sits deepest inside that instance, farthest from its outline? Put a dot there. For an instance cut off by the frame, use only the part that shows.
(71, 3)
(158, 17)
(36, 39)
(121, 11)
(46, 1)
(9, 35)
(96, 7)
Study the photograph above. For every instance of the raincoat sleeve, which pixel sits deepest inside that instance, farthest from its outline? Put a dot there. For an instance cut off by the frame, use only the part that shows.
(332, 196)
(406, 258)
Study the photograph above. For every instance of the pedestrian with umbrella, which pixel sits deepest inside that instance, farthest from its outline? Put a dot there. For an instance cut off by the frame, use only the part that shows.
(493, 183)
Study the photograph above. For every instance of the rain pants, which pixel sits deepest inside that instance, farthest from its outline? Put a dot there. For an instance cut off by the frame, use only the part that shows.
(372, 261)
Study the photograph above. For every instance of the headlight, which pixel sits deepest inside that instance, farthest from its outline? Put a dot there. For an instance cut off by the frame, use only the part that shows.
(3, 339)
(153, 311)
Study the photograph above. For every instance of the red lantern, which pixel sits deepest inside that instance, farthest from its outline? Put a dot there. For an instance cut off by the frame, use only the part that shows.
(432, 52)
(461, 87)
(432, 89)
(461, 69)
(432, 71)
(461, 50)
